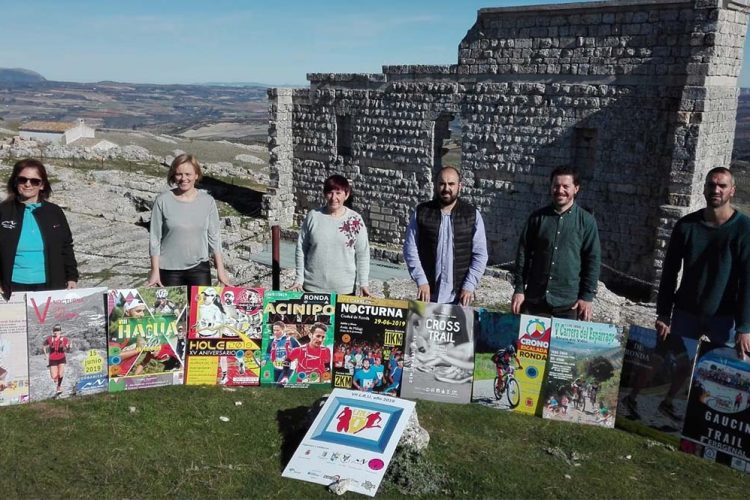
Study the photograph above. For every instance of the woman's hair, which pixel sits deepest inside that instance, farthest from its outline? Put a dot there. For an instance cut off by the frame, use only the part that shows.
(184, 158)
(337, 181)
(18, 168)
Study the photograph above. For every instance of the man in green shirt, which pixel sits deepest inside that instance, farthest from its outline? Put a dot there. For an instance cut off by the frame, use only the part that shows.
(558, 258)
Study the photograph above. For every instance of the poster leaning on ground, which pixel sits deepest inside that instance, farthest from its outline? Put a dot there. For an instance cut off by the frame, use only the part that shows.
(67, 342)
(14, 367)
(494, 332)
(352, 438)
(145, 327)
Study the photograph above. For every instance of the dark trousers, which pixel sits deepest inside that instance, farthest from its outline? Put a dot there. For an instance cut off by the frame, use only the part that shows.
(544, 309)
(199, 275)
(22, 287)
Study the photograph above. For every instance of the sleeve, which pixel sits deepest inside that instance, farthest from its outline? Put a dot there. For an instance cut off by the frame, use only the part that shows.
(411, 254)
(742, 317)
(68, 255)
(522, 260)
(669, 272)
(155, 228)
(214, 229)
(362, 255)
(478, 256)
(591, 261)
(302, 245)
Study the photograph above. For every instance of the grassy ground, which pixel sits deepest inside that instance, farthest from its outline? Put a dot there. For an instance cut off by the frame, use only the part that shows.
(170, 441)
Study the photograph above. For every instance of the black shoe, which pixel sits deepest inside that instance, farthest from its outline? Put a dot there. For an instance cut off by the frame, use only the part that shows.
(632, 406)
(668, 410)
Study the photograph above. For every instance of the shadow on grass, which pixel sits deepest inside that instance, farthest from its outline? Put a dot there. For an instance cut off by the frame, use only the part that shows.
(292, 424)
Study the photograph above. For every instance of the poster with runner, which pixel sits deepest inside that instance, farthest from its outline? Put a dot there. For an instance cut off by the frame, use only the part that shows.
(494, 332)
(297, 338)
(14, 360)
(653, 370)
(583, 372)
(369, 344)
(533, 345)
(439, 352)
(717, 416)
(67, 342)
(147, 328)
(224, 334)
(352, 438)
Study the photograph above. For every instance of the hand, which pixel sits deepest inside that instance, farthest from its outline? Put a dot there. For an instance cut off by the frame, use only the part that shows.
(517, 302)
(423, 292)
(71, 285)
(465, 297)
(297, 287)
(742, 344)
(153, 278)
(223, 277)
(364, 291)
(662, 329)
(584, 309)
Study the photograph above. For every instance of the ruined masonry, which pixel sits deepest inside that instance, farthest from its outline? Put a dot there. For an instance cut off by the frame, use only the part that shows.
(641, 96)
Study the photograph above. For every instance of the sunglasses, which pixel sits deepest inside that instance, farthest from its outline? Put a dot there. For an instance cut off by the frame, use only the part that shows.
(33, 180)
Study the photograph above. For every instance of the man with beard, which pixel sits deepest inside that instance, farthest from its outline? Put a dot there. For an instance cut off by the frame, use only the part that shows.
(558, 258)
(712, 246)
(445, 247)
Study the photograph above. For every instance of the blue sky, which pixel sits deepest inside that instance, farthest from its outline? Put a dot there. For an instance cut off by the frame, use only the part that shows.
(190, 41)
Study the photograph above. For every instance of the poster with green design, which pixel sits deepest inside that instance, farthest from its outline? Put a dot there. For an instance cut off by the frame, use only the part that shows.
(146, 337)
(297, 338)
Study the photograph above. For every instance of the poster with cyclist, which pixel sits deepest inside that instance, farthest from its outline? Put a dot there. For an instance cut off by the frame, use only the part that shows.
(439, 352)
(583, 372)
(224, 336)
(369, 344)
(494, 333)
(14, 367)
(717, 417)
(532, 347)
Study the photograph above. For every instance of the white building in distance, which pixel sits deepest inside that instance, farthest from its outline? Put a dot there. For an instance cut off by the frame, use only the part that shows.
(56, 132)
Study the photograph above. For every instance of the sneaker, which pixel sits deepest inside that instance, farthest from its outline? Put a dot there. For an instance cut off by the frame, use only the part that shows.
(632, 406)
(453, 375)
(668, 410)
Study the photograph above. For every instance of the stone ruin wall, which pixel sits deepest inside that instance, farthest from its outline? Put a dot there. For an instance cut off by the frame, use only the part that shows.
(642, 94)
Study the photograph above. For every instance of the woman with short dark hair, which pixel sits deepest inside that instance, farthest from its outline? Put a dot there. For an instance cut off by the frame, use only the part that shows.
(36, 246)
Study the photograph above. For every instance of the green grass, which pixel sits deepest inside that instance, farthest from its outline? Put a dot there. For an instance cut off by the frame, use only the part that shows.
(174, 444)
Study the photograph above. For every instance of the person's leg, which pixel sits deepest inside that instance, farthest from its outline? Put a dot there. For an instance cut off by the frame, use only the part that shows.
(199, 275)
(171, 277)
(536, 308)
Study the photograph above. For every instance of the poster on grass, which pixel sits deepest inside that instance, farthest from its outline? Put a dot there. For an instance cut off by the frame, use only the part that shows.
(224, 335)
(352, 438)
(67, 342)
(439, 352)
(654, 373)
(583, 372)
(494, 332)
(718, 411)
(369, 344)
(297, 338)
(146, 337)
(534, 334)
(14, 361)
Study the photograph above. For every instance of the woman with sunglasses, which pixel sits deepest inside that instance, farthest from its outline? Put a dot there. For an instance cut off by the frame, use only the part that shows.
(36, 247)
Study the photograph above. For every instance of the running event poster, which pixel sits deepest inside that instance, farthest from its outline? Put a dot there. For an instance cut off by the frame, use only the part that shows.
(14, 360)
(439, 352)
(650, 370)
(224, 335)
(369, 344)
(298, 329)
(67, 342)
(717, 419)
(143, 337)
(583, 373)
(493, 331)
(352, 438)
(533, 345)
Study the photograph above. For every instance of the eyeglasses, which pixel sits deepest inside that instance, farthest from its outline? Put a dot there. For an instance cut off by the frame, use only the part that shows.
(33, 180)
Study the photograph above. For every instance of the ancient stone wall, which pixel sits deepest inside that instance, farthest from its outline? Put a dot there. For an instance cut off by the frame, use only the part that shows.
(640, 96)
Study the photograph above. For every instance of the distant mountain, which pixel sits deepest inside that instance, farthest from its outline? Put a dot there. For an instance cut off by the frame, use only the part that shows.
(20, 75)
(249, 84)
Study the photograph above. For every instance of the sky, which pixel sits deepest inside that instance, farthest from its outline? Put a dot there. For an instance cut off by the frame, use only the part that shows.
(198, 41)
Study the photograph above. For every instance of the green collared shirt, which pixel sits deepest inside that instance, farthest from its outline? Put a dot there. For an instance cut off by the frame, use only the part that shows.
(558, 257)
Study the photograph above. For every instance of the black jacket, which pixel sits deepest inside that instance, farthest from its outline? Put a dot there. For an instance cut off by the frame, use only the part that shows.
(60, 260)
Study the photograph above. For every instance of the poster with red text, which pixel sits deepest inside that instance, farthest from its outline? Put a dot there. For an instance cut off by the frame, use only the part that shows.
(14, 367)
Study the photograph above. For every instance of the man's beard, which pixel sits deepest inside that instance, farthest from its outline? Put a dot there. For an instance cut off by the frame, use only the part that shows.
(447, 201)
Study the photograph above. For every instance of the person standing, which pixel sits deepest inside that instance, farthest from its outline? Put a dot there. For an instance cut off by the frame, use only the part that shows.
(558, 257)
(445, 247)
(55, 347)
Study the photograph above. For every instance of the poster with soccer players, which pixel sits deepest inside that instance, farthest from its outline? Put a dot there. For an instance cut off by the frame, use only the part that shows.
(352, 438)
(67, 342)
(369, 344)
(14, 367)
(224, 335)
(717, 417)
(583, 372)
(439, 352)
(297, 338)
(147, 328)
